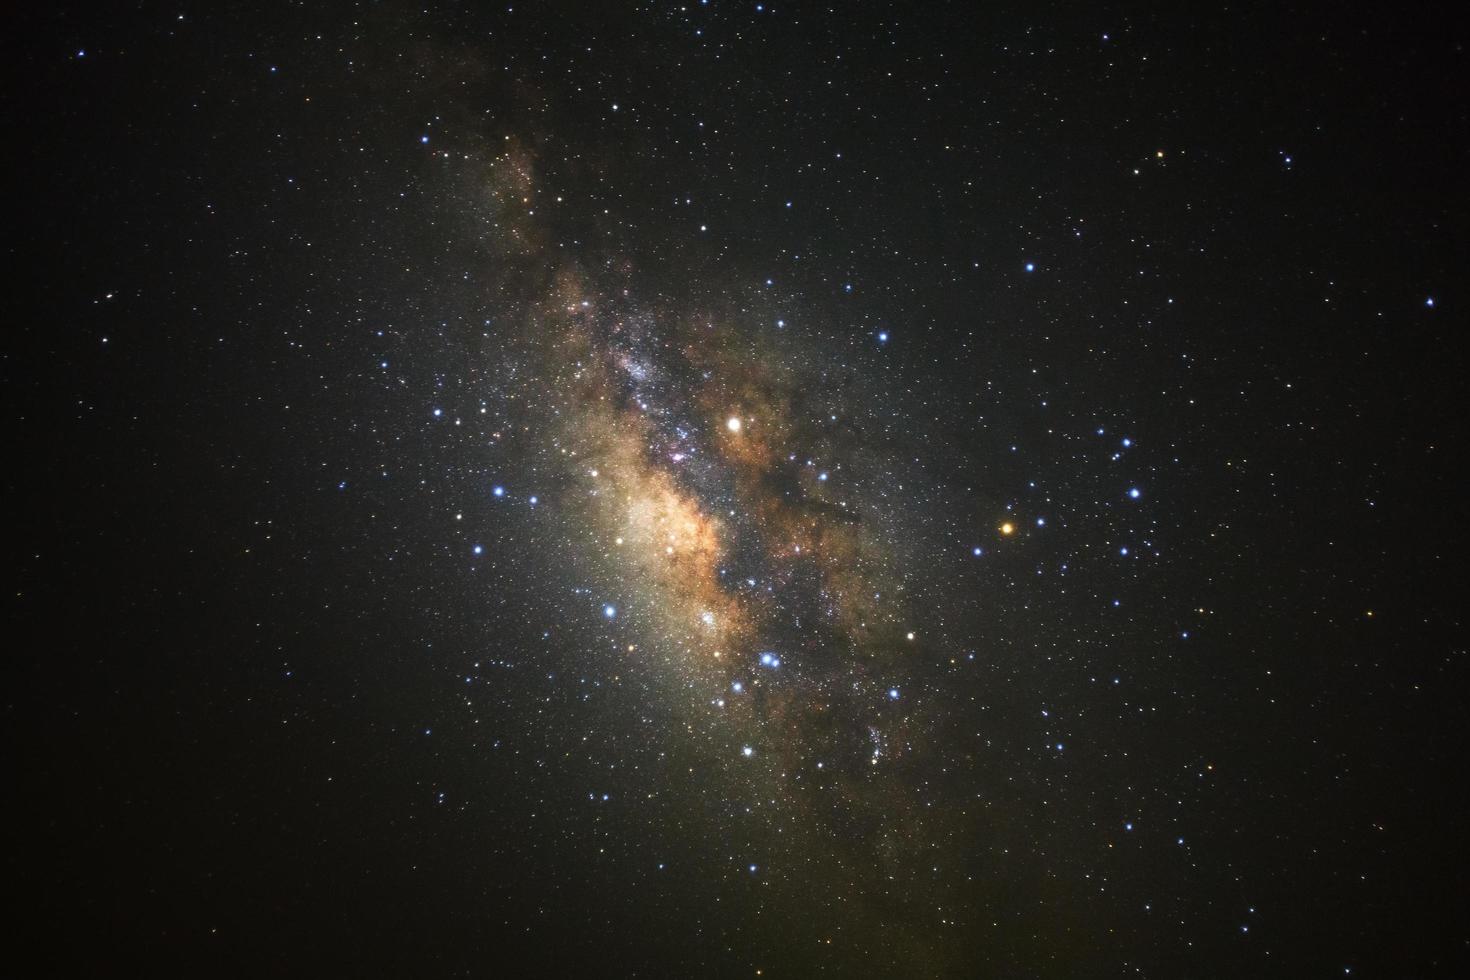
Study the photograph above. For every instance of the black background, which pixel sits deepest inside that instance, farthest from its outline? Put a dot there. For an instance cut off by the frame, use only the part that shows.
(217, 668)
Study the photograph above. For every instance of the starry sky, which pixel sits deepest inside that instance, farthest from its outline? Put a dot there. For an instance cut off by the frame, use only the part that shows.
(734, 489)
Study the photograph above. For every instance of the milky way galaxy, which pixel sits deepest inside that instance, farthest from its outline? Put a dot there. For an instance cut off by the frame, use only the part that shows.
(735, 504)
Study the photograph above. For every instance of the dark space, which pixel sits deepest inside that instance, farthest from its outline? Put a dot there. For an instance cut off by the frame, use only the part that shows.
(723, 489)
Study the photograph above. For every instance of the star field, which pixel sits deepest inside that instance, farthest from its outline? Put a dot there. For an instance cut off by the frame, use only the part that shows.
(732, 489)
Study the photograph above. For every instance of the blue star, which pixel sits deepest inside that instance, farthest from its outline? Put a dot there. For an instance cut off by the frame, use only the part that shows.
(478, 549)
(499, 491)
(1135, 493)
(1030, 266)
(893, 694)
(609, 611)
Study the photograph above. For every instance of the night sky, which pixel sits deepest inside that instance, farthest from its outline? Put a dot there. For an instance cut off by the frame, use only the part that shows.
(732, 489)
